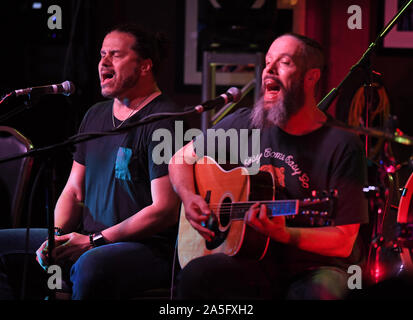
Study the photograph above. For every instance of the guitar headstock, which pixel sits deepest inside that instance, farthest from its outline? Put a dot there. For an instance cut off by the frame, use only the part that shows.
(319, 208)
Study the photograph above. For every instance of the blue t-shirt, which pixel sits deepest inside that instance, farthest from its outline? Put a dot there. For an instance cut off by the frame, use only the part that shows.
(120, 168)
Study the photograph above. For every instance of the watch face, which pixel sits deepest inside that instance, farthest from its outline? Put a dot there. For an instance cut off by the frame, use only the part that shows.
(98, 240)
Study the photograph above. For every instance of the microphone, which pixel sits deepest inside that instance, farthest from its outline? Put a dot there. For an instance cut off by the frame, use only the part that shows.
(233, 94)
(67, 88)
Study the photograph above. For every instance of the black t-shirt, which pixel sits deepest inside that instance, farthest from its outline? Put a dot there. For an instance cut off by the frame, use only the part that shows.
(325, 159)
(120, 168)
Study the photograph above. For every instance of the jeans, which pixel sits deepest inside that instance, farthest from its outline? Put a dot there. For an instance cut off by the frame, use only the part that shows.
(113, 271)
(219, 276)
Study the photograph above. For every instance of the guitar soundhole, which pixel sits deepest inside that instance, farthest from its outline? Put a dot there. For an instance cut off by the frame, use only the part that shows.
(225, 212)
(218, 223)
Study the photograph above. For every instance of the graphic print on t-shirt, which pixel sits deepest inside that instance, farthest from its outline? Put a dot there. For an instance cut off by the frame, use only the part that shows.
(122, 163)
(289, 164)
(278, 174)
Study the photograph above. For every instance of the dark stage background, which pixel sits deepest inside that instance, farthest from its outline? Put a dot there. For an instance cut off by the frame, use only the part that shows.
(33, 55)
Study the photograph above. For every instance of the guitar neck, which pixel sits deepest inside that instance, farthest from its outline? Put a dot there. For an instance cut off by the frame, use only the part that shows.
(275, 208)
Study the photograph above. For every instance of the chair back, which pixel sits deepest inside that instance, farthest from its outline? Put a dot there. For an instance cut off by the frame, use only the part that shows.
(14, 176)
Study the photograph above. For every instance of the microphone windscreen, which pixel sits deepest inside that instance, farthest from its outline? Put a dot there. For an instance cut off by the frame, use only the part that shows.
(68, 87)
(235, 93)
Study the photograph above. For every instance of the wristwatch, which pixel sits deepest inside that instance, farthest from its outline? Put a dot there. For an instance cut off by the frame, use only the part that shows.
(96, 239)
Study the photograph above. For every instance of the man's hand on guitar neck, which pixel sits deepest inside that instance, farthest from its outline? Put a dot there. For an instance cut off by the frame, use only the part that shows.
(274, 228)
(334, 241)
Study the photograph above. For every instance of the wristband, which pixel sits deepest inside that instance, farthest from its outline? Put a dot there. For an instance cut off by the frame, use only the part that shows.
(96, 239)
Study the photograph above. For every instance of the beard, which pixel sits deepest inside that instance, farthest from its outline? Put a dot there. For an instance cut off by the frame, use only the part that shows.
(267, 114)
(126, 84)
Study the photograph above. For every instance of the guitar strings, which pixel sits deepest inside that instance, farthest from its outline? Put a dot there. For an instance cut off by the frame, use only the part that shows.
(227, 208)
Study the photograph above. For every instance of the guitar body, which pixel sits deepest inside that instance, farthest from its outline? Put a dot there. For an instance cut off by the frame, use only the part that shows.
(233, 235)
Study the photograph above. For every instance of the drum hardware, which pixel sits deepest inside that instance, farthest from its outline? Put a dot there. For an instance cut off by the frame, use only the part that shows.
(390, 253)
(384, 260)
(388, 256)
(405, 210)
(405, 234)
(397, 137)
(405, 243)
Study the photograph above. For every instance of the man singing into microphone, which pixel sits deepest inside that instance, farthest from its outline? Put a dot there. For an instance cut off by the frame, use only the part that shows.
(117, 214)
(303, 154)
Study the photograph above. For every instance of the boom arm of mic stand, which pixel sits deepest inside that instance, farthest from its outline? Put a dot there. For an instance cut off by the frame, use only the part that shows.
(49, 150)
(26, 105)
(325, 103)
(94, 135)
(227, 108)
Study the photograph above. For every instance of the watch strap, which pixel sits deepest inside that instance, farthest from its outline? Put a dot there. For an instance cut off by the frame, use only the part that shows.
(96, 239)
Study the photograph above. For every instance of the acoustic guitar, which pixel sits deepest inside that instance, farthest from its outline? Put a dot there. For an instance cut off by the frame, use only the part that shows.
(230, 194)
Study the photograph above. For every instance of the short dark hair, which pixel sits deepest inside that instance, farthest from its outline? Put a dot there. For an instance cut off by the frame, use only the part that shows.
(313, 52)
(148, 45)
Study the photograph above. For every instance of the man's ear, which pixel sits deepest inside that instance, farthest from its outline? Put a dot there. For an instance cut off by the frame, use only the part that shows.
(146, 65)
(311, 77)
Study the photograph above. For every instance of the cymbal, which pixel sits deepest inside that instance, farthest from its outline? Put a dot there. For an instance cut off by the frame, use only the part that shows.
(398, 138)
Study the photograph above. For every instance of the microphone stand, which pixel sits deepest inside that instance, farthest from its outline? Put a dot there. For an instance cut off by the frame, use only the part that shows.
(49, 151)
(27, 104)
(82, 137)
(329, 98)
(324, 104)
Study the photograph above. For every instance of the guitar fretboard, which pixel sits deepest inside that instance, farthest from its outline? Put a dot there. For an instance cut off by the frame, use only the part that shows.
(275, 208)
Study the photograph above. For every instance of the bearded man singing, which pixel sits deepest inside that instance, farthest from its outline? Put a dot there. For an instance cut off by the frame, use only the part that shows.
(303, 154)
